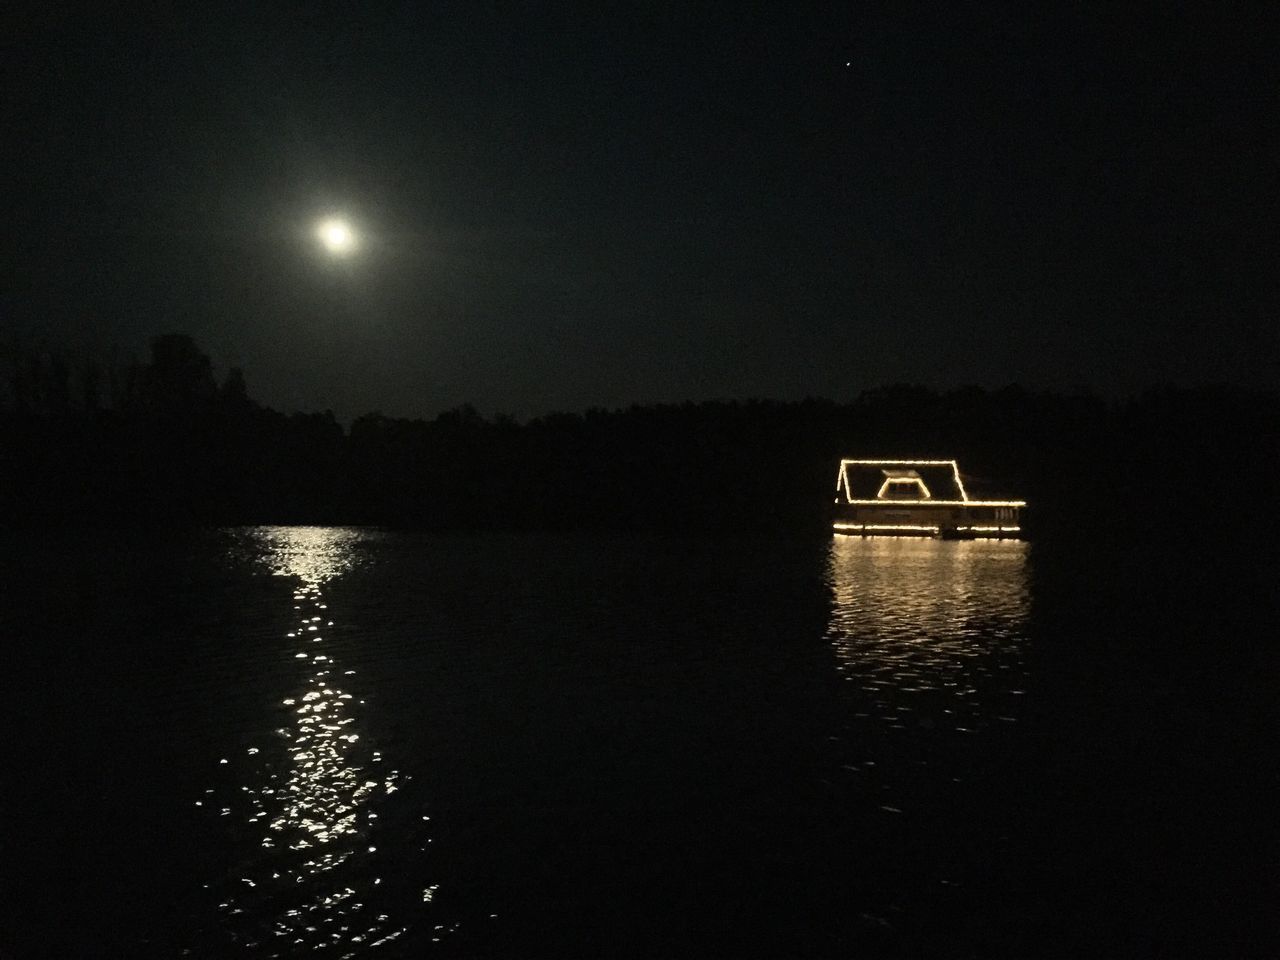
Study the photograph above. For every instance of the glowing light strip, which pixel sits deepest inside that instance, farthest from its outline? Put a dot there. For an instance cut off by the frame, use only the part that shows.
(900, 480)
(851, 529)
(882, 526)
(940, 503)
(955, 471)
(843, 479)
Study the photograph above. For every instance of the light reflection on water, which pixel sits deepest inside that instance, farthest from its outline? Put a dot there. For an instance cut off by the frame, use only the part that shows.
(312, 796)
(930, 636)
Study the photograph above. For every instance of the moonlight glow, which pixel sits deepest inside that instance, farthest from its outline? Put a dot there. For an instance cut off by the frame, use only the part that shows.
(337, 236)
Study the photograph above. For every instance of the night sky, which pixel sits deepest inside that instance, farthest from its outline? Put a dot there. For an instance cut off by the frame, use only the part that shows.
(571, 205)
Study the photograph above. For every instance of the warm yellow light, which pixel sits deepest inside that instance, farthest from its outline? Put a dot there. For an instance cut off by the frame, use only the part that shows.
(909, 529)
(881, 527)
(337, 236)
(908, 504)
(916, 482)
(842, 481)
(903, 509)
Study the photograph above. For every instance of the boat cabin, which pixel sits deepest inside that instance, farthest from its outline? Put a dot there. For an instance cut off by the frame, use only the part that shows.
(917, 498)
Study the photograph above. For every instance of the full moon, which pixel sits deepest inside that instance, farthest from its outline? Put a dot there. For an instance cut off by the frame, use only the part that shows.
(337, 236)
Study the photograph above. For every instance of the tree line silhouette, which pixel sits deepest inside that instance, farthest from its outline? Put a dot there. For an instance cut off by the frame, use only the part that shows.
(163, 443)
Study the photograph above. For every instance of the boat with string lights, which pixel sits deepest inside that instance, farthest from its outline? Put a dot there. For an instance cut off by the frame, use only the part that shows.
(917, 498)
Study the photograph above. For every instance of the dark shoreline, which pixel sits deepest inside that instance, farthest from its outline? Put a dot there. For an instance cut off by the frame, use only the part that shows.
(174, 449)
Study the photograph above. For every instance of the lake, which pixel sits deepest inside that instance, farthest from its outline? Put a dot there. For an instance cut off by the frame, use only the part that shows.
(297, 741)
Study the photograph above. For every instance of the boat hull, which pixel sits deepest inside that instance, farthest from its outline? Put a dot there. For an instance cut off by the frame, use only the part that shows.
(948, 522)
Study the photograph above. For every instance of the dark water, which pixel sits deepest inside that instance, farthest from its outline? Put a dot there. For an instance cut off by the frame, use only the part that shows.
(332, 742)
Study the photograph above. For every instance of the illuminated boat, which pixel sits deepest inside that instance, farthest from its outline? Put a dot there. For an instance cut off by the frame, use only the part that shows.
(923, 498)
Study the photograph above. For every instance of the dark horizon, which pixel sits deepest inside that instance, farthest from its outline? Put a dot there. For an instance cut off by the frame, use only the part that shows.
(116, 362)
(167, 443)
(578, 208)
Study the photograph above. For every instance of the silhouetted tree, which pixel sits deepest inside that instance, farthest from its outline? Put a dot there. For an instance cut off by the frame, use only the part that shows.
(56, 387)
(91, 385)
(233, 390)
(172, 446)
(179, 377)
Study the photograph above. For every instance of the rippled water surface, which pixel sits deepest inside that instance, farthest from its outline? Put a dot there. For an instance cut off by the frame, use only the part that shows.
(313, 790)
(337, 742)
